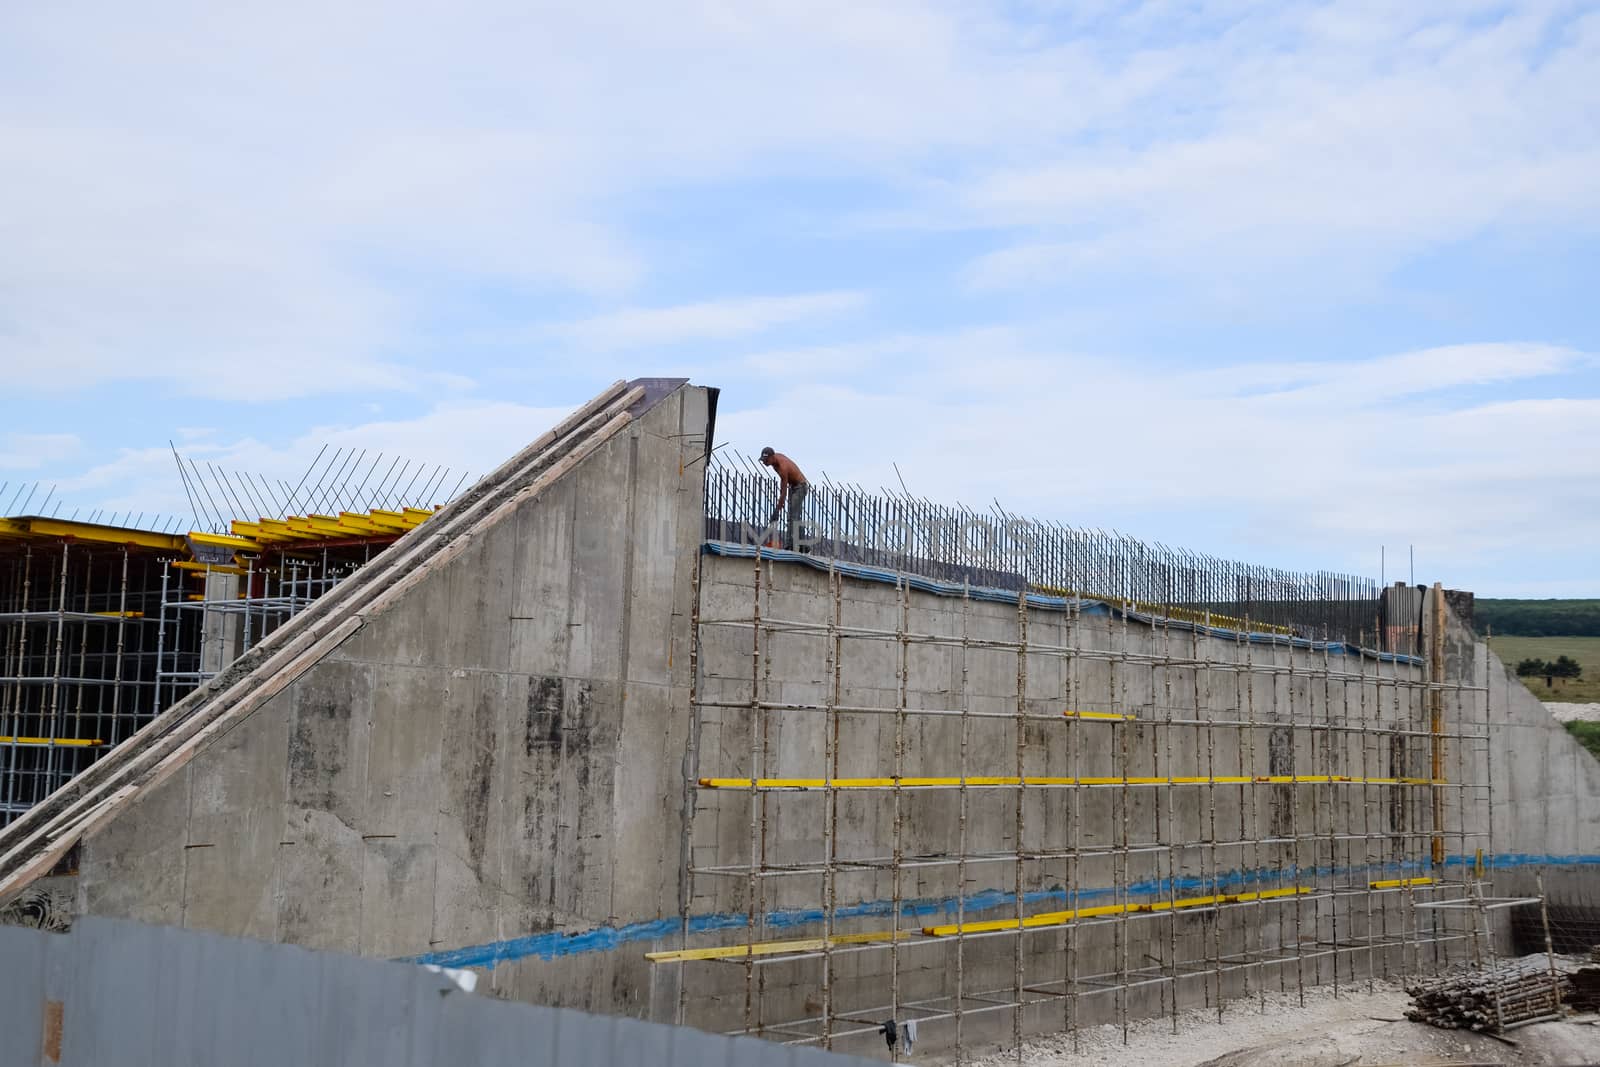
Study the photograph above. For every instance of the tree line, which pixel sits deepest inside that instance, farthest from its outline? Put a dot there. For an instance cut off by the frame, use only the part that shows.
(1538, 618)
(1564, 667)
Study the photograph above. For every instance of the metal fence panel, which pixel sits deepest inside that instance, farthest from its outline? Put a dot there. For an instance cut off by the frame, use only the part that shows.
(130, 995)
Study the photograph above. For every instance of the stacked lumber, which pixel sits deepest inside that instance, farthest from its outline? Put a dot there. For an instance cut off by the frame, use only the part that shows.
(1488, 999)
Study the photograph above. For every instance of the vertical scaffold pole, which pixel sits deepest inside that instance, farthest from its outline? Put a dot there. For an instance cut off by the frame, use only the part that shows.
(830, 735)
(1022, 801)
(965, 800)
(757, 721)
(902, 635)
(1436, 725)
(691, 777)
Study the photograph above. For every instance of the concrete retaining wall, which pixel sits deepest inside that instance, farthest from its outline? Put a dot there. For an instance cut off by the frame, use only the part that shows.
(496, 755)
(1181, 841)
(491, 772)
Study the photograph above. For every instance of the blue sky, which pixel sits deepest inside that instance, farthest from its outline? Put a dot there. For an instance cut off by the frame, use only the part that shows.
(1283, 282)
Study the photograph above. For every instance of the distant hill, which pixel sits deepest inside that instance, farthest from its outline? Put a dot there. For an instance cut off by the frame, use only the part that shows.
(1538, 618)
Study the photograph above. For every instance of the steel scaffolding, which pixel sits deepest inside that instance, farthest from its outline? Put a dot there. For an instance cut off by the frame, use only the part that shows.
(102, 628)
(77, 661)
(1201, 807)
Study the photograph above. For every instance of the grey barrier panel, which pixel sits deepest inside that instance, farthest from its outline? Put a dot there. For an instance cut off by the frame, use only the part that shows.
(122, 994)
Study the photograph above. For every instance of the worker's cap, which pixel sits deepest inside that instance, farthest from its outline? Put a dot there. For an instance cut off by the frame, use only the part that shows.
(766, 453)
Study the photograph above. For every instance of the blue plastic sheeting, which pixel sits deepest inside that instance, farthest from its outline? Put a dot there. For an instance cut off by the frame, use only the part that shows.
(1045, 601)
(558, 944)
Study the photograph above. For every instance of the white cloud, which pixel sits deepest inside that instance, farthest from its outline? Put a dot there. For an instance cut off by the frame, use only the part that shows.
(274, 203)
(712, 320)
(28, 451)
(1357, 454)
(1359, 136)
(465, 438)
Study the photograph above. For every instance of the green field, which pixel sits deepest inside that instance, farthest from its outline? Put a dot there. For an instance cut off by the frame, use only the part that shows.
(1588, 735)
(1586, 650)
(1538, 618)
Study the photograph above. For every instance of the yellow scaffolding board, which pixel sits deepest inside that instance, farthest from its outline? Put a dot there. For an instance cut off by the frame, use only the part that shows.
(1399, 883)
(69, 742)
(1099, 716)
(1057, 918)
(774, 948)
(1031, 780)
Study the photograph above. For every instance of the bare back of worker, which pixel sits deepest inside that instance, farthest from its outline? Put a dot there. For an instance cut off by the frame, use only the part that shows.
(792, 488)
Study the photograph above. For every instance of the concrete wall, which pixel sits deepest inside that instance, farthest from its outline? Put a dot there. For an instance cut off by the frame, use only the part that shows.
(481, 761)
(492, 773)
(1237, 837)
(1546, 813)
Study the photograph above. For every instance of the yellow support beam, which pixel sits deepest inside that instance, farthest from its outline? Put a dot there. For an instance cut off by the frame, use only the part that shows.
(1399, 883)
(773, 948)
(1099, 716)
(304, 528)
(111, 535)
(69, 742)
(359, 521)
(279, 529)
(1031, 780)
(258, 532)
(330, 526)
(1058, 918)
(389, 520)
(236, 544)
(207, 568)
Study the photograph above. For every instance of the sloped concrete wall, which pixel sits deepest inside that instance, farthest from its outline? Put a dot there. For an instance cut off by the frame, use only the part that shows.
(1546, 795)
(483, 760)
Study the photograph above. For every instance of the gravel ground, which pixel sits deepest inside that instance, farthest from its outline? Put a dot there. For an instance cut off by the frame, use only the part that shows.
(1358, 1029)
(1574, 712)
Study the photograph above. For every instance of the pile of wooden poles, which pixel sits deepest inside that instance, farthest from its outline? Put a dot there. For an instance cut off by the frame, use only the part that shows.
(1491, 999)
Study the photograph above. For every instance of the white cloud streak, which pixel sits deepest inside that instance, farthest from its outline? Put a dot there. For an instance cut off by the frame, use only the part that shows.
(194, 193)
(714, 320)
(1313, 464)
(29, 451)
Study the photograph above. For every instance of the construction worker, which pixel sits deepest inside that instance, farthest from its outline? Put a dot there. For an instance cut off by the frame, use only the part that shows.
(792, 488)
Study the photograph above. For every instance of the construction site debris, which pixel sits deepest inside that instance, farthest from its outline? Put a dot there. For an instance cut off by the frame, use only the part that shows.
(1490, 999)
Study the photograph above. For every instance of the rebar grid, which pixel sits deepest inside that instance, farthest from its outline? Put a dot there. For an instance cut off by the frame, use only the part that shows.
(97, 639)
(1292, 835)
(995, 549)
(77, 661)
